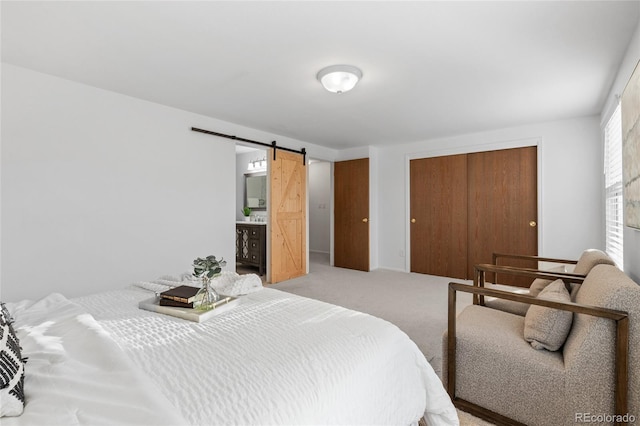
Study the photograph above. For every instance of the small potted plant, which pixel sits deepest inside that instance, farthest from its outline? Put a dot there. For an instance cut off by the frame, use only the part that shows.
(246, 211)
(206, 269)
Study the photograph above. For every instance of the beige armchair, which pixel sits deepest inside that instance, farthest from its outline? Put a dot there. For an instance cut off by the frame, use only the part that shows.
(491, 371)
(588, 259)
(539, 278)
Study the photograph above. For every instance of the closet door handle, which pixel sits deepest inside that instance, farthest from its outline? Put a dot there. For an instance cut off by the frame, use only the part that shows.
(365, 220)
(413, 220)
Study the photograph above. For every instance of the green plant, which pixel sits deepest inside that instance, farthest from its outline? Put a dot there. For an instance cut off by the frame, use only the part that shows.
(207, 267)
(246, 211)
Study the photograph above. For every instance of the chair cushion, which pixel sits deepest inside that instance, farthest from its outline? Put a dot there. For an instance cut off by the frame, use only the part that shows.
(591, 258)
(11, 368)
(490, 353)
(510, 306)
(547, 328)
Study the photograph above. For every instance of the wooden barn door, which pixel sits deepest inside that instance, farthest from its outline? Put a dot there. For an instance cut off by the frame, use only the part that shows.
(287, 216)
(351, 214)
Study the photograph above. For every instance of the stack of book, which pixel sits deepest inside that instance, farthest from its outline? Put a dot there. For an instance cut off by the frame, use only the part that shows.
(179, 297)
(179, 302)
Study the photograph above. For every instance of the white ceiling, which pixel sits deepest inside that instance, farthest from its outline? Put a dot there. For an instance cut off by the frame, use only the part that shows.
(431, 69)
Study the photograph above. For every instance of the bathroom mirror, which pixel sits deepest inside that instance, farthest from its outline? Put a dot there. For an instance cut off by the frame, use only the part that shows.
(255, 191)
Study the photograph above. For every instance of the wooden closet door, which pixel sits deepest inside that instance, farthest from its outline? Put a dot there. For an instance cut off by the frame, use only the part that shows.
(351, 214)
(287, 216)
(438, 197)
(503, 206)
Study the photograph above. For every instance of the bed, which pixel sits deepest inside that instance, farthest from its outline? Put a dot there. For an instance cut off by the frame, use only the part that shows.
(275, 358)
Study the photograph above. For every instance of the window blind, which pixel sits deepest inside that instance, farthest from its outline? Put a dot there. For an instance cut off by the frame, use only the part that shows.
(613, 187)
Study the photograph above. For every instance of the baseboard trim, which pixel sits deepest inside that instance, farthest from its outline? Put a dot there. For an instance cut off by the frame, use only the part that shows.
(386, 268)
(319, 251)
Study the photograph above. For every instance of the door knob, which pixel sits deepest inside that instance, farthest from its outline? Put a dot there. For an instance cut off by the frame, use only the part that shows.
(532, 223)
(365, 220)
(413, 220)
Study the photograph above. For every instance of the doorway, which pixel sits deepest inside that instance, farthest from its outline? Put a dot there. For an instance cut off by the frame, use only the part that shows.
(251, 235)
(320, 208)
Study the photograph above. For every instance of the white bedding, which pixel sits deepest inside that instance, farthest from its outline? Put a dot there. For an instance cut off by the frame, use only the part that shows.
(76, 375)
(277, 358)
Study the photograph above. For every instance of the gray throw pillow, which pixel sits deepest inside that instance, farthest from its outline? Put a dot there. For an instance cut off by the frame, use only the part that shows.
(547, 328)
(539, 284)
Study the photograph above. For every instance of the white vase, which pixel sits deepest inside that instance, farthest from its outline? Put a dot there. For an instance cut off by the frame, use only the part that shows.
(247, 218)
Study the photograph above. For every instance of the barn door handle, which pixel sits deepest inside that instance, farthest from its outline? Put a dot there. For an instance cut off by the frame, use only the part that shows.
(413, 220)
(532, 223)
(365, 220)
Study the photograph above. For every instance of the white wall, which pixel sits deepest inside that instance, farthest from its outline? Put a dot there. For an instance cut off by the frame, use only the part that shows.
(570, 198)
(100, 190)
(631, 236)
(319, 184)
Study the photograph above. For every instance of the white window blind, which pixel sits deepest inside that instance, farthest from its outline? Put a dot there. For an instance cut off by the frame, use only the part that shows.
(613, 187)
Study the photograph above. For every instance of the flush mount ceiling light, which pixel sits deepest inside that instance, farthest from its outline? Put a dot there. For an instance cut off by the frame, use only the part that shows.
(339, 78)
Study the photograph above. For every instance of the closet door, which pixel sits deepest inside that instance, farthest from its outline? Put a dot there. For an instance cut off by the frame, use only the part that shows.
(438, 216)
(351, 214)
(503, 207)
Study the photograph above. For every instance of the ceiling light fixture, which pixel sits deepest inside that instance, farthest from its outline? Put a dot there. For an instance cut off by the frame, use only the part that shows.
(339, 78)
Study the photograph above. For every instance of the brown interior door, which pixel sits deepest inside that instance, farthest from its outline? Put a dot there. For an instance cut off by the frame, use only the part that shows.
(351, 214)
(438, 197)
(287, 216)
(503, 206)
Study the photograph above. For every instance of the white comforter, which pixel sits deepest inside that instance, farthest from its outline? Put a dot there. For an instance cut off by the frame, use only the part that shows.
(276, 358)
(76, 375)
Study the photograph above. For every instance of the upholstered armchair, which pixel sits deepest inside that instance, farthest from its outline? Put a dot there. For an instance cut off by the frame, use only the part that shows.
(492, 369)
(588, 259)
(539, 278)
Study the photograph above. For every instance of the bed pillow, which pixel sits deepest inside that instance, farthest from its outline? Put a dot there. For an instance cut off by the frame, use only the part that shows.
(11, 368)
(548, 328)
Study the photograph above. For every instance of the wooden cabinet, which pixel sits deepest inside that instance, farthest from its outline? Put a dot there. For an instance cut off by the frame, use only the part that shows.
(251, 245)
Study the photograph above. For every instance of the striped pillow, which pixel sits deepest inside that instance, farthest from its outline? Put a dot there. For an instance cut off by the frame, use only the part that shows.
(11, 368)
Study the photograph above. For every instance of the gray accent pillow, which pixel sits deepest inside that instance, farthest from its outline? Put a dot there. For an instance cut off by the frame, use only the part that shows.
(547, 328)
(539, 284)
(11, 368)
